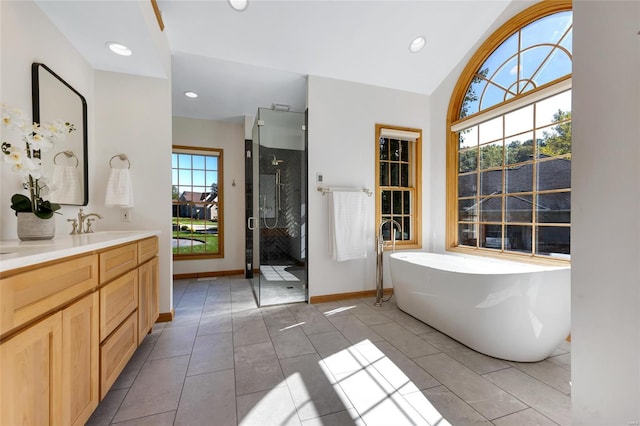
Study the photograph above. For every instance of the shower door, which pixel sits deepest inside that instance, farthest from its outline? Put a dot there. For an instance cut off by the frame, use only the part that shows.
(279, 220)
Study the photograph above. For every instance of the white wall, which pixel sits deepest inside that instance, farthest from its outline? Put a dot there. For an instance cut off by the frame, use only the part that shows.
(129, 114)
(342, 118)
(230, 138)
(133, 116)
(605, 236)
(27, 36)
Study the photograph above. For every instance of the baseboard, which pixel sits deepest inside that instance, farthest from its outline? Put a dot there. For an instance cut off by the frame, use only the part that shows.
(343, 296)
(166, 316)
(207, 274)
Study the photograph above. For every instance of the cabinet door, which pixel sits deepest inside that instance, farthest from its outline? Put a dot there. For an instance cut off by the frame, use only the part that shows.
(31, 381)
(80, 352)
(144, 287)
(148, 309)
(154, 304)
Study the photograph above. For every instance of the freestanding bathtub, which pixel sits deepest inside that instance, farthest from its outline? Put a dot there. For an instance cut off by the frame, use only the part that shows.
(509, 310)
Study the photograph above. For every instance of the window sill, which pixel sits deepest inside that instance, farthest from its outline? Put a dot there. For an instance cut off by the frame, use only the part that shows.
(197, 256)
(404, 247)
(515, 257)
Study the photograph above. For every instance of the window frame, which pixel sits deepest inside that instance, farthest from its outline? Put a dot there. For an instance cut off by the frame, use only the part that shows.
(414, 187)
(196, 150)
(528, 16)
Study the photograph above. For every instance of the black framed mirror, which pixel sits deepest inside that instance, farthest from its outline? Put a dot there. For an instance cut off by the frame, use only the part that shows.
(66, 163)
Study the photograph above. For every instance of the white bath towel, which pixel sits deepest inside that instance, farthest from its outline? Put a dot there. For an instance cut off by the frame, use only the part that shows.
(67, 185)
(119, 191)
(347, 227)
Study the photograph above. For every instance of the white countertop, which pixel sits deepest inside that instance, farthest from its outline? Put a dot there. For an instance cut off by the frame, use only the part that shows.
(17, 254)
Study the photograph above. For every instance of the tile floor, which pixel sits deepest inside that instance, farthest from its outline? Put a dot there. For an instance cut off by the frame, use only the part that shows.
(223, 361)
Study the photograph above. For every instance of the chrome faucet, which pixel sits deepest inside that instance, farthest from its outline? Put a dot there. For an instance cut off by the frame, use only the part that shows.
(78, 224)
(379, 259)
(380, 238)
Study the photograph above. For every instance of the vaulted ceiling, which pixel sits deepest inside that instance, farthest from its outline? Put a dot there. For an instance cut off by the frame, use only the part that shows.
(239, 61)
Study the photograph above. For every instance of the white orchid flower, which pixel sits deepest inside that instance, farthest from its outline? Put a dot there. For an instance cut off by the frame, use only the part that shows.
(12, 117)
(58, 130)
(19, 168)
(15, 156)
(25, 160)
(39, 140)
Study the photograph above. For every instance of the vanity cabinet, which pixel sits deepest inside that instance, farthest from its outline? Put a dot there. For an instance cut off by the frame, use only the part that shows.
(50, 370)
(68, 329)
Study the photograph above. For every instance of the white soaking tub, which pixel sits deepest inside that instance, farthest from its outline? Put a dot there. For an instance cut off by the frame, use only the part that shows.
(508, 310)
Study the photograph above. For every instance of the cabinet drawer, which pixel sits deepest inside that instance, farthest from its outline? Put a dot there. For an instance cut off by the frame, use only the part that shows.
(117, 261)
(147, 249)
(117, 300)
(116, 351)
(28, 295)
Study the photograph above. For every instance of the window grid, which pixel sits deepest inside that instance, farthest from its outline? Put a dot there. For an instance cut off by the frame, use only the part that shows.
(501, 242)
(491, 86)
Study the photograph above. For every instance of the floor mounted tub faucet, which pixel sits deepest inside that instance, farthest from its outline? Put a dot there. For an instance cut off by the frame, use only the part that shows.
(379, 259)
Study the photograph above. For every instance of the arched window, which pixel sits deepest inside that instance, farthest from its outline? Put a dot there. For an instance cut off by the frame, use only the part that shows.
(509, 140)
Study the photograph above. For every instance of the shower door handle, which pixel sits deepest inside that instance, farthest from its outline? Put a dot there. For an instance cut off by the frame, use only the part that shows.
(251, 223)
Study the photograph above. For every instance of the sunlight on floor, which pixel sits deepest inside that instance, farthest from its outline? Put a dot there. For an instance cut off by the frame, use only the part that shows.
(363, 378)
(338, 310)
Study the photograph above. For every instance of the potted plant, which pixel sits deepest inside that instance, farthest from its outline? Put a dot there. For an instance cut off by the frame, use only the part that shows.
(33, 210)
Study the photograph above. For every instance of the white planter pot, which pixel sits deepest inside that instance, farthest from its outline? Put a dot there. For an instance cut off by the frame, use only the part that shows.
(31, 227)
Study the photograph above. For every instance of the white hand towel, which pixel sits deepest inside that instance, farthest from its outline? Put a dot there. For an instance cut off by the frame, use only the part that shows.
(67, 185)
(119, 191)
(347, 217)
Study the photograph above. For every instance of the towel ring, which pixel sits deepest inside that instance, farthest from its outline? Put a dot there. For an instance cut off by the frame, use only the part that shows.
(122, 157)
(67, 154)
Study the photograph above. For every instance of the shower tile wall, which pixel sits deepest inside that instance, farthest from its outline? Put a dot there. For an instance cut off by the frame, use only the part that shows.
(283, 243)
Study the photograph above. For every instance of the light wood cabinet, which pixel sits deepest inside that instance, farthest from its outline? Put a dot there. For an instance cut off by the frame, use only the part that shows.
(50, 370)
(80, 343)
(117, 300)
(68, 329)
(147, 249)
(116, 351)
(148, 295)
(31, 375)
(29, 295)
(117, 261)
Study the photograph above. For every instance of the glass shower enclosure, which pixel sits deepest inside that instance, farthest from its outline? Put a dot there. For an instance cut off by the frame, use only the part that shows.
(276, 176)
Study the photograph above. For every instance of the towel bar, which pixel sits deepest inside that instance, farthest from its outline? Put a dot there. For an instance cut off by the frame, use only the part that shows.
(326, 189)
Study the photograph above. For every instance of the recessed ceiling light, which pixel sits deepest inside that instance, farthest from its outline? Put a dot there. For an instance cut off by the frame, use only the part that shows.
(191, 94)
(119, 49)
(417, 44)
(239, 5)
